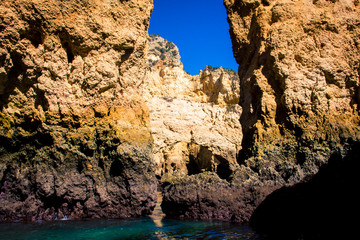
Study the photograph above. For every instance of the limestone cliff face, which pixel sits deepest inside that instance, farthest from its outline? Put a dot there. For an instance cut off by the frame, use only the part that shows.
(194, 120)
(74, 132)
(166, 78)
(299, 76)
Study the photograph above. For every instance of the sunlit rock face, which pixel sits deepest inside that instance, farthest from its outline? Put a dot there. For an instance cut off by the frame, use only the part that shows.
(166, 77)
(74, 133)
(194, 120)
(299, 76)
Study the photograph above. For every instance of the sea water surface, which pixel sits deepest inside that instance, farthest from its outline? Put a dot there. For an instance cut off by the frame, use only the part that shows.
(155, 226)
(143, 228)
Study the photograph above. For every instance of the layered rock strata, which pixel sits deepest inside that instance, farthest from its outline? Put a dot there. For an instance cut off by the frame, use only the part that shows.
(75, 128)
(74, 132)
(194, 121)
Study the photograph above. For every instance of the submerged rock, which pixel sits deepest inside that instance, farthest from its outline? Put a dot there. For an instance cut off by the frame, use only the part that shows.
(74, 132)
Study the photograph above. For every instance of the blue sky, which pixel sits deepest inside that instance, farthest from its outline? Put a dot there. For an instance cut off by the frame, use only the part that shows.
(200, 30)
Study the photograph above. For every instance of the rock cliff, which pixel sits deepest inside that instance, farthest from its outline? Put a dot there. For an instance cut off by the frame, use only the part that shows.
(299, 69)
(299, 76)
(74, 132)
(194, 120)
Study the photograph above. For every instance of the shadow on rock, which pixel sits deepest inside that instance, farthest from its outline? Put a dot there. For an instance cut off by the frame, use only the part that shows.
(324, 207)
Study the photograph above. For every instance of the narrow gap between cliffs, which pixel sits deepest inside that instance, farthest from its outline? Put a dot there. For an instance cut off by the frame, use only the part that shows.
(199, 29)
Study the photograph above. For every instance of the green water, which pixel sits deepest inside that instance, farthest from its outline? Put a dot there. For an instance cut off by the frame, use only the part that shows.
(144, 228)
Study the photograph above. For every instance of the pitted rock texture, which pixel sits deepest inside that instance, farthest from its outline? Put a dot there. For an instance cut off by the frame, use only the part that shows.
(194, 120)
(74, 132)
(299, 66)
(191, 137)
(206, 196)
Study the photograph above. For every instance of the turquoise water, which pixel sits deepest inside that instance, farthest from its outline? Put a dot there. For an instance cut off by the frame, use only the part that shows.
(145, 228)
(154, 227)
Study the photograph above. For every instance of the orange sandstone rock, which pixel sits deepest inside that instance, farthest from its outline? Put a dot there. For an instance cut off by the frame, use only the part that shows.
(74, 133)
(299, 78)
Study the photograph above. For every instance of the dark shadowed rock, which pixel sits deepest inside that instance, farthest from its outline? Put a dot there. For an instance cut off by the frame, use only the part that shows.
(324, 207)
(206, 196)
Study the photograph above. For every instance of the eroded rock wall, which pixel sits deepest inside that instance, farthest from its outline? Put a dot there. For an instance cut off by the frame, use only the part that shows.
(194, 120)
(74, 132)
(299, 67)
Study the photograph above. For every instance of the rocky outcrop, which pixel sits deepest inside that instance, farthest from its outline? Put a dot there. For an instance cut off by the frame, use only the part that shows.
(193, 119)
(299, 93)
(74, 132)
(206, 196)
(299, 77)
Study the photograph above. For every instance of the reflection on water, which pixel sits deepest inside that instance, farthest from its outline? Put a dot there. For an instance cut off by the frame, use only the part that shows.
(158, 215)
(154, 227)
